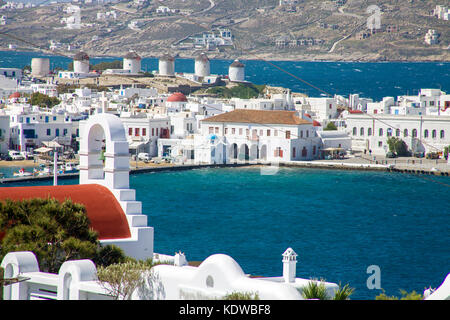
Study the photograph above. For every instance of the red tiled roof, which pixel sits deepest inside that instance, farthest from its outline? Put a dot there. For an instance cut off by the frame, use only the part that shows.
(316, 123)
(259, 117)
(355, 111)
(103, 209)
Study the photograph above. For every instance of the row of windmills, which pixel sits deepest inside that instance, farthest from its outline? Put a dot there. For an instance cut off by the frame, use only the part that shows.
(132, 66)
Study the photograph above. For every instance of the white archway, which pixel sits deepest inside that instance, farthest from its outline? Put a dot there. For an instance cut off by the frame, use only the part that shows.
(114, 173)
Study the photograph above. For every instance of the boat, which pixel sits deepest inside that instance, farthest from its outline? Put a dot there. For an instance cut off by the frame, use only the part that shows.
(69, 168)
(22, 173)
(43, 170)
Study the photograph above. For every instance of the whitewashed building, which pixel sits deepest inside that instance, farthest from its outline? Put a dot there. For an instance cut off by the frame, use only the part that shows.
(273, 136)
(421, 133)
(143, 132)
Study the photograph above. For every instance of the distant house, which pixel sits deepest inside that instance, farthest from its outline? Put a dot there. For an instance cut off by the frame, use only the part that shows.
(432, 37)
(288, 2)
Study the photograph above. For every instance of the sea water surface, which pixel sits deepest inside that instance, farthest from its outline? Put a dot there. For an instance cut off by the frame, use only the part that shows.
(339, 222)
(368, 79)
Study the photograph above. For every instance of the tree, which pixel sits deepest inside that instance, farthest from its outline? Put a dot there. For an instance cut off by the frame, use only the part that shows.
(397, 146)
(330, 126)
(121, 280)
(55, 232)
(43, 100)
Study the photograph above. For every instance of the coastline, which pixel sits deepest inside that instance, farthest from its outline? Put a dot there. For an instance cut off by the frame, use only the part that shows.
(244, 57)
(384, 165)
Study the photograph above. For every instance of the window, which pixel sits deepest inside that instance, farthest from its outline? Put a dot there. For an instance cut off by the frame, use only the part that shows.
(211, 130)
(288, 134)
(157, 129)
(380, 144)
(425, 133)
(136, 132)
(293, 152)
(268, 132)
(54, 118)
(278, 152)
(46, 118)
(397, 132)
(414, 133)
(389, 132)
(355, 131)
(275, 133)
(380, 132)
(153, 131)
(307, 133)
(301, 133)
(217, 129)
(57, 132)
(361, 131)
(442, 134)
(433, 134)
(49, 132)
(369, 131)
(304, 152)
(130, 131)
(405, 132)
(233, 131)
(226, 130)
(64, 132)
(144, 131)
(240, 131)
(314, 150)
(247, 132)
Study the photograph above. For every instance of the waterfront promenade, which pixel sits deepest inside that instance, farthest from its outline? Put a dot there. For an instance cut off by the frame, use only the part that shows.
(437, 167)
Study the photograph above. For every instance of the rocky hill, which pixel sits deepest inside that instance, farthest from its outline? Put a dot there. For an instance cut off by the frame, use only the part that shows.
(260, 29)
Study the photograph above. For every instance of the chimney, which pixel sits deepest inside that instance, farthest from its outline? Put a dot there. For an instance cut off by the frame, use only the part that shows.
(289, 265)
(180, 259)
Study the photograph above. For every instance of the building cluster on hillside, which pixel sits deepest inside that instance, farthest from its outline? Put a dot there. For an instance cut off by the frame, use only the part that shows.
(10, 6)
(432, 37)
(441, 12)
(206, 129)
(215, 39)
(286, 42)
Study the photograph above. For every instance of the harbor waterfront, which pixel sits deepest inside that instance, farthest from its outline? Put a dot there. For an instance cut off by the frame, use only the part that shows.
(340, 222)
(368, 79)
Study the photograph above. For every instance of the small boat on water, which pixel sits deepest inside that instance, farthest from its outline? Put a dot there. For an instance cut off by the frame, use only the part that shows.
(69, 168)
(43, 171)
(22, 173)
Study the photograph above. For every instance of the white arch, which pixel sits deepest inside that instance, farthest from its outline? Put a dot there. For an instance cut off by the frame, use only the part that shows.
(115, 174)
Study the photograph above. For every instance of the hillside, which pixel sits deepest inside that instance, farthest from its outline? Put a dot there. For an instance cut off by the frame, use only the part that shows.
(307, 30)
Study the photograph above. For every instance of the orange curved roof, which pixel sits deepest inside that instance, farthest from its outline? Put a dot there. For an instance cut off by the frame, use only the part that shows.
(177, 97)
(103, 209)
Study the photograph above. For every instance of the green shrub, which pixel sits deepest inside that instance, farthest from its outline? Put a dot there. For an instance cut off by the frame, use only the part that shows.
(343, 292)
(315, 290)
(241, 296)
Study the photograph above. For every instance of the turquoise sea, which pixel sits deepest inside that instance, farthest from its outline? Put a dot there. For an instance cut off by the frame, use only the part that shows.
(339, 222)
(369, 79)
